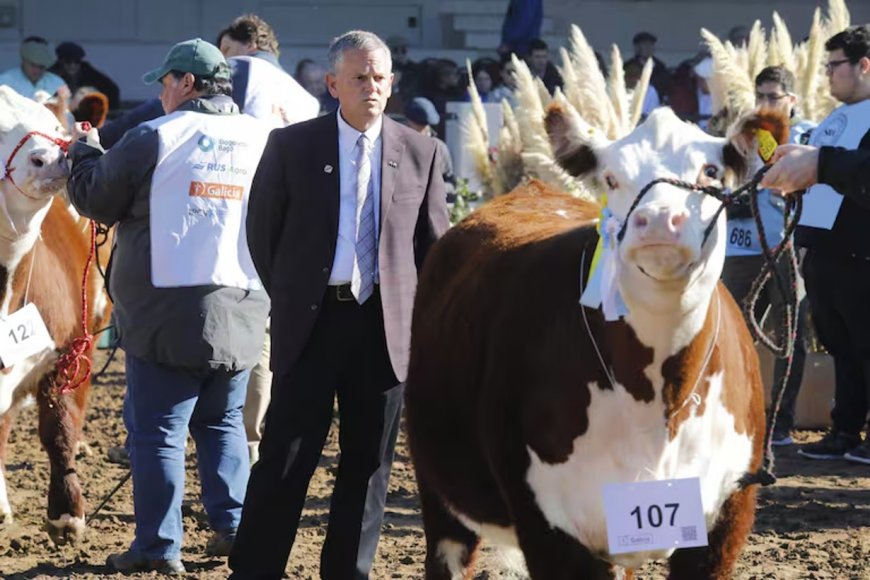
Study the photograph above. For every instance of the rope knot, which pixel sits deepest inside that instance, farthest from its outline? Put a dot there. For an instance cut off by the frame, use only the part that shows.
(71, 373)
(74, 366)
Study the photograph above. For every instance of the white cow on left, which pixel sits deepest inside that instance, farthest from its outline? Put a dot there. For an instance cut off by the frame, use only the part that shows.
(43, 252)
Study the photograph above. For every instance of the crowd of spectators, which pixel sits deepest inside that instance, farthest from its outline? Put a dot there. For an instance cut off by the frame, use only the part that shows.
(241, 73)
(65, 72)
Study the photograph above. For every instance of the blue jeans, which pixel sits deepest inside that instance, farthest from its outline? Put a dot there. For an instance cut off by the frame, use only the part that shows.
(162, 403)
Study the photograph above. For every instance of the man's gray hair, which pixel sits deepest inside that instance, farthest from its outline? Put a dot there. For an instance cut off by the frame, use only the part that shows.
(355, 40)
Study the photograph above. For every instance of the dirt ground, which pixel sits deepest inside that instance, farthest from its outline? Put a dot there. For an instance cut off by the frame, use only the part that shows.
(814, 523)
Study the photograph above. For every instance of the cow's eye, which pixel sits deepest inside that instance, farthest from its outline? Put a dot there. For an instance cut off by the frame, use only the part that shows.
(610, 181)
(711, 171)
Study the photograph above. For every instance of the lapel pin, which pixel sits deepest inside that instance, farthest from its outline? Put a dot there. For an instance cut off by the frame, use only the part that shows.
(327, 168)
(392, 164)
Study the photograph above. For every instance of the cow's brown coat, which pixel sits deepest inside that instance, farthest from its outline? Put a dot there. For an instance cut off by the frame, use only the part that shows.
(501, 361)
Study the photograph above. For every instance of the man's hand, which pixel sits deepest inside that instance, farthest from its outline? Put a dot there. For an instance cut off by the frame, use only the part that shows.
(795, 168)
(85, 129)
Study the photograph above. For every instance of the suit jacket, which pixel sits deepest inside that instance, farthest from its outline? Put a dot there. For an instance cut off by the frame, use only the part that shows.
(292, 228)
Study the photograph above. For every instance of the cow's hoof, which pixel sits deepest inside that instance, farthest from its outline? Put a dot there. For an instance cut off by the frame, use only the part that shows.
(66, 529)
(5, 516)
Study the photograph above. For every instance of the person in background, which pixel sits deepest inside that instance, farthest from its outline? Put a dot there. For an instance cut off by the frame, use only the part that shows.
(774, 89)
(408, 74)
(76, 72)
(837, 263)
(739, 36)
(312, 76)
(633, 71)
(262, 89)
(261, 86)
(32, 74)
(540, 66)
(703, 71)
(342, 296)
(249, 35)
(522, 24)
(189, 307)
(683, 98)
(421, 116)
(444, 85)
(644, 44)
(484, 73)
(508, 84)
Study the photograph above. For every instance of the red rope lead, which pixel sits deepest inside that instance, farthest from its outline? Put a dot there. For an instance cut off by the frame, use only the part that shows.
(74, 366)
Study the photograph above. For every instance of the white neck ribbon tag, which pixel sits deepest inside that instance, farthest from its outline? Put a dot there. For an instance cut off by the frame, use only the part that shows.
(602, 289)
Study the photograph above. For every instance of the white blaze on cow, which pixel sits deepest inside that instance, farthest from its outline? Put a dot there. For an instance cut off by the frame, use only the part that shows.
(522, 405)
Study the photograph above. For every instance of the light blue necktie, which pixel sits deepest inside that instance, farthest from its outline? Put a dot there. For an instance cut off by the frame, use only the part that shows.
(363, 281)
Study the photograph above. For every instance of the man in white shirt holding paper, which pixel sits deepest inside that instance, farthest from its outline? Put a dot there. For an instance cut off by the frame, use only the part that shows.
(834, 227)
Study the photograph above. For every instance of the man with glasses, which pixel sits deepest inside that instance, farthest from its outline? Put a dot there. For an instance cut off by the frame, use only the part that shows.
(774, 90)
(834, 226)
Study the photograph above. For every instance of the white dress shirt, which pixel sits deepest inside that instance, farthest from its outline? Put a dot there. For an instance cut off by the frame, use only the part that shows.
(348, 221)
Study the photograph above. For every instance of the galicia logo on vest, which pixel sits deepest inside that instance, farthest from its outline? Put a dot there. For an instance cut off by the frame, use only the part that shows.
(216, 190)
(199, 192)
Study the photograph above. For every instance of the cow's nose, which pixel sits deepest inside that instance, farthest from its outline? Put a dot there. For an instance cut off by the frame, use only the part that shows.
(41, 159)
(658, 220)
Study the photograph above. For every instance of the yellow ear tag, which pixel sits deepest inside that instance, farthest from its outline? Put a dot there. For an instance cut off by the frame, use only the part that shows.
(766, 144)
(599, 247)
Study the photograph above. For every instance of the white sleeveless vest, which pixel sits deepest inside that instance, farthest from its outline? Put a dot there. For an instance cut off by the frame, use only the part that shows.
(844, 127)
(199, 199)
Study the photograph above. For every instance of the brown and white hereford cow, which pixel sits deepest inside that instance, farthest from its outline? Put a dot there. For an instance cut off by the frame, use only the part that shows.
(522, 404)
(43, 251)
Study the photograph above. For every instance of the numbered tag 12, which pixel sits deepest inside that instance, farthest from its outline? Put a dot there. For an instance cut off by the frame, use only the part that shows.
(22, 335)
(654, 515)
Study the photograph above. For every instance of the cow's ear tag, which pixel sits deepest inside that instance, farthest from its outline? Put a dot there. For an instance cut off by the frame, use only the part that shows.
(23, 334)
(766, 144)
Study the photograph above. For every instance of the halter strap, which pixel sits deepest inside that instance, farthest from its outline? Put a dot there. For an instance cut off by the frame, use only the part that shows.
(8, 168)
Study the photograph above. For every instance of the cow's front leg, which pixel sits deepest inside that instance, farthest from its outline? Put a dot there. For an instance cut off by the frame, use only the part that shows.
(6, 422)
(451, 549)
(57, 431)
(550, 553)
(716, 561)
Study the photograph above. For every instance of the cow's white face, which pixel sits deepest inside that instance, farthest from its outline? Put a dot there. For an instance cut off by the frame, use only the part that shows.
(38, 168)
(664, 243)
(663, 251)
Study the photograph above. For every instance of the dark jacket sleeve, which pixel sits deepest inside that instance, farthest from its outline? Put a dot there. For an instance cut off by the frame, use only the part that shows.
(847, 171)
(433, 220)
(267, 208)
(103, 185)
(100, 81)
(111, 132)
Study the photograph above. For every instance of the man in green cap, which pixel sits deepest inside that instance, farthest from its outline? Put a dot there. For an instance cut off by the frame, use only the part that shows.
(189, 307)
(32, 75)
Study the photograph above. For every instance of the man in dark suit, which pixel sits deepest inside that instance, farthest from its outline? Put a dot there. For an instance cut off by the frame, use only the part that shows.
(343, 210)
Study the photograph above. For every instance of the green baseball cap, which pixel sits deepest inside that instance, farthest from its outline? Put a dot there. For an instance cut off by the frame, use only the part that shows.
(195, 56)
(39, 53)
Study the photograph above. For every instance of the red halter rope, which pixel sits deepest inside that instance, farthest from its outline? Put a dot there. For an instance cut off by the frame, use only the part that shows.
(69, 364)
(59, 141)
